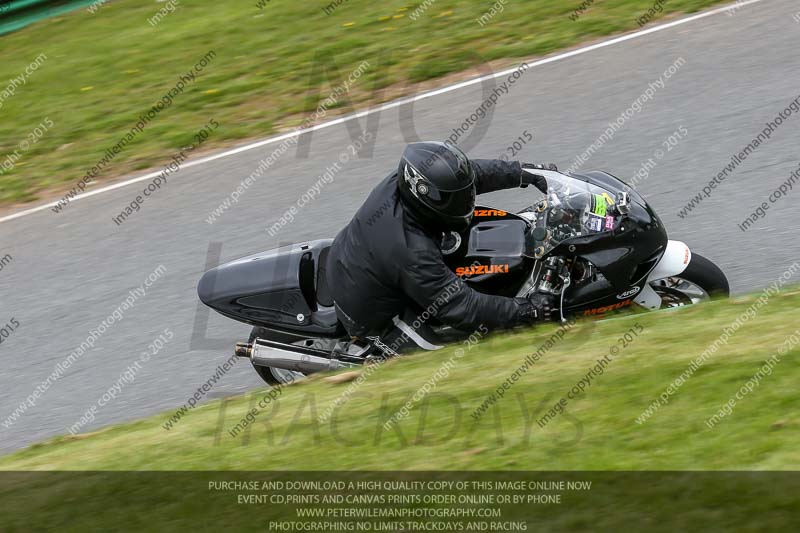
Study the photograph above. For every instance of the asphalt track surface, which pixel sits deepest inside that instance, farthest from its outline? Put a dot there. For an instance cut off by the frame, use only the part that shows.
(72, 270)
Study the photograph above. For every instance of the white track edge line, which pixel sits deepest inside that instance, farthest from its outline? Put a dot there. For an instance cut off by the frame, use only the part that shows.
(390, 105)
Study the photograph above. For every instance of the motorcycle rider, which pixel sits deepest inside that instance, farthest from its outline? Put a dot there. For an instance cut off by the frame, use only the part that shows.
(387, 262)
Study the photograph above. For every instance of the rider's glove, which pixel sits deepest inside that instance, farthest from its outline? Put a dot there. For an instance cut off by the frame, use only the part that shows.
(539, 182)
(538, 308)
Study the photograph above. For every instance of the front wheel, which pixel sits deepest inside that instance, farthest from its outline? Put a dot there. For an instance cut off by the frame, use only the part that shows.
(701, 281)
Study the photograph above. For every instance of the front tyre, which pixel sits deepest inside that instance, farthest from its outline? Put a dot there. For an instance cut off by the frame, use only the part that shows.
(702, 280)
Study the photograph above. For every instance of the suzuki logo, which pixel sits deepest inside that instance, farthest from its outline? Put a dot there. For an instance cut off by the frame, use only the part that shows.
(490, 213)
(481, 269)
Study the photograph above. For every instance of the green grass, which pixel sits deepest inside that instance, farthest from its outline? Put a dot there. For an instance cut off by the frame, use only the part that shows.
(598, 432)
(104, 69)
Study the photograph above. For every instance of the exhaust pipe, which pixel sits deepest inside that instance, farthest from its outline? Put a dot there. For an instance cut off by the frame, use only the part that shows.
(288, 357)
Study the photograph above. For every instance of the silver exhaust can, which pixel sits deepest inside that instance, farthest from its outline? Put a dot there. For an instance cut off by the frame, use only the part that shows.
(287, 357)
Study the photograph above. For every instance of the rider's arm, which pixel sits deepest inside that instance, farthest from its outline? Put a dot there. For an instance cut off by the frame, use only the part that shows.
(495, 175)
(437, 290)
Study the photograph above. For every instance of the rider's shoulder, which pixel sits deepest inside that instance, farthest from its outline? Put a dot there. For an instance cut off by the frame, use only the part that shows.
(419, 246)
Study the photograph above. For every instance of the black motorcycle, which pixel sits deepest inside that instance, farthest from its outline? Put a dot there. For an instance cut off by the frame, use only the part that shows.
(592, 241)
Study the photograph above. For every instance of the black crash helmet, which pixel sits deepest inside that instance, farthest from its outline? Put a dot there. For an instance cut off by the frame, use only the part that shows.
(437, 183)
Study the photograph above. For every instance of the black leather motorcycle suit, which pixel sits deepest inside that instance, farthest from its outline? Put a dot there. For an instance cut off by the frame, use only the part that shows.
(385, 261)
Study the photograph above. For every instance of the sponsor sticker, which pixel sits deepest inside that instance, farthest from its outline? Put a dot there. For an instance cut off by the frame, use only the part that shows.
(599, 205)
(609, 222)
(628, 293)
(606, 309)
(595, 223)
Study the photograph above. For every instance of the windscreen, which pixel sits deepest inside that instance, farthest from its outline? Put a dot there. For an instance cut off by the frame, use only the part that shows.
(572, 208)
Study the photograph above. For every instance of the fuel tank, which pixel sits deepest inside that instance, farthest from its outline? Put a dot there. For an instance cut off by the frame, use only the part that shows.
(490, 255)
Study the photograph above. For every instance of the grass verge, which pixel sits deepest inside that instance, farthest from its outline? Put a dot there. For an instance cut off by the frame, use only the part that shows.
(104, 67)
(598, 431)
(596, 435)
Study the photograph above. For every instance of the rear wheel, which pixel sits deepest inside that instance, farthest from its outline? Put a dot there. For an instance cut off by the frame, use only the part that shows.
(701, 281)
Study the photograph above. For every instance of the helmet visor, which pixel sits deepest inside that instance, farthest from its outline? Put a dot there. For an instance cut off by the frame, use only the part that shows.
(460, 203)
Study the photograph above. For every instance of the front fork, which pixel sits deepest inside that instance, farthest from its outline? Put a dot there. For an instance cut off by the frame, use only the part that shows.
(551, 276)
